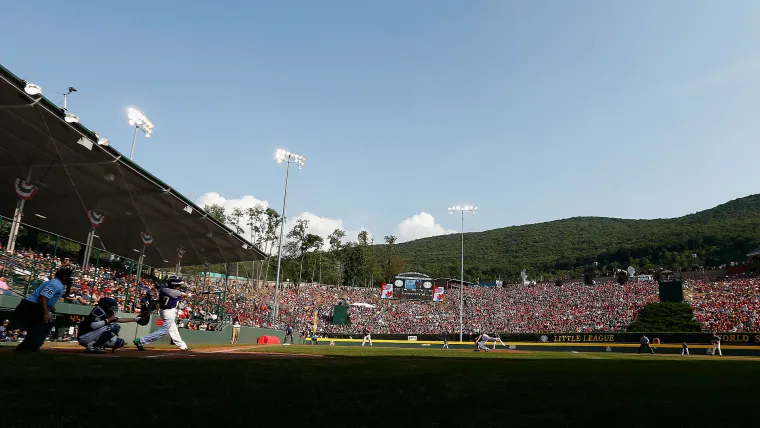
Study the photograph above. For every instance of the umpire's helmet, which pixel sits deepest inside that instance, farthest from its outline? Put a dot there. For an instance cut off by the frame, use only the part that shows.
(109, 304)
(174, 281)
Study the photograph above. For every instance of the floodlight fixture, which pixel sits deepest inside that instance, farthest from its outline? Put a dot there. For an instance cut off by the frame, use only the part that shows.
(141, 123)
(462, 209)
(71, 117)
(102, 141)
(282, 155)
(32, 89)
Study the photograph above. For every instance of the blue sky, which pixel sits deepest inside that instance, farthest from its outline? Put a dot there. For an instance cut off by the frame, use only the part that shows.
(532, 110)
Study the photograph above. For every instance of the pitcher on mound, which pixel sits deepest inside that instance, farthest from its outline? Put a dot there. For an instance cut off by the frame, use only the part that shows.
(168, 298)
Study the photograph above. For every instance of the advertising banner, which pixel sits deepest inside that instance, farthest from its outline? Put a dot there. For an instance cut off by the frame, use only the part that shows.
(438, 294)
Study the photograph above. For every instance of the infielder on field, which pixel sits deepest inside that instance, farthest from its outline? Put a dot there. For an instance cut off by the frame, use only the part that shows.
(480, 342)
(100, 329)
(716, 344)
(486, 338)
(367, 337)
(168, 298)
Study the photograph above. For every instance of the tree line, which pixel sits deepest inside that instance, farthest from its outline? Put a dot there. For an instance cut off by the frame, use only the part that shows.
(306, 257)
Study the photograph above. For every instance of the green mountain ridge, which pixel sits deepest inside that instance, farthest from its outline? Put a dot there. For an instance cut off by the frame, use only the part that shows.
(717, 235)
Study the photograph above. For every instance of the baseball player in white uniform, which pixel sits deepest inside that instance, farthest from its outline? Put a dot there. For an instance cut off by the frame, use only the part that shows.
(367, 337)
(168, 298)
(486, 338)
(716, 344)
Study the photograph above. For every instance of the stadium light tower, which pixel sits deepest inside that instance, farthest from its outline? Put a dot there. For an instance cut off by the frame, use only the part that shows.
(283, 156)
(462, 209)
(141, 123)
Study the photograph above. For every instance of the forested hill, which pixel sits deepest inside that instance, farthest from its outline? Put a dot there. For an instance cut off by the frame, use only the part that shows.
(717, 235)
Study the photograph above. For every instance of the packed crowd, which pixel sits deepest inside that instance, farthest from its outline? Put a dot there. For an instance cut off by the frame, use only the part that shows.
(515, 308)
(725, 305)
(27, 268)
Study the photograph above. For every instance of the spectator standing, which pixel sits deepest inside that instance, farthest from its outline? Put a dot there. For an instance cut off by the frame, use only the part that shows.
(235, 330)
(644, 344)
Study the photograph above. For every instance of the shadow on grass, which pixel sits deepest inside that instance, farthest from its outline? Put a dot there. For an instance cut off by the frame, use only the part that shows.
(57, 390)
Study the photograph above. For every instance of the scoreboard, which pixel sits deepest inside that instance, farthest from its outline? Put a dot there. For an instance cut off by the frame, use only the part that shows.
(412, 289)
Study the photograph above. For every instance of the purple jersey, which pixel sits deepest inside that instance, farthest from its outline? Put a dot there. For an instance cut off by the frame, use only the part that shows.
(168, 298)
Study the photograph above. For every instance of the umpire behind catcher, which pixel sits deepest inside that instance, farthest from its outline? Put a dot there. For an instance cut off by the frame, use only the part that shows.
(33, 313)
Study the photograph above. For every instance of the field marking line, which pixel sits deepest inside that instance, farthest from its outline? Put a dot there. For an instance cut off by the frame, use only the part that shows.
(221, 351)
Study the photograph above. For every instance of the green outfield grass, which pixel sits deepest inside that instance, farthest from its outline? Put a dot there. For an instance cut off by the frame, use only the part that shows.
(389, 387)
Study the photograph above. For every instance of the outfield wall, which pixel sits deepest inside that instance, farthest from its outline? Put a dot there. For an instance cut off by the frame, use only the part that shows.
(68, 314)
(748, 339)
(248, 335)
(670, 349)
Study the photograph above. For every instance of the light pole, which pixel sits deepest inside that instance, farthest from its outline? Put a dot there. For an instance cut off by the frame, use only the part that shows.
(141, 123)
(288, 157)
(462, 209)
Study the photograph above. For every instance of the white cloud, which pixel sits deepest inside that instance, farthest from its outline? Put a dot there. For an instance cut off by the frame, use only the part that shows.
(322, 226)
(727, 74)
(418, 226)
(245, 202)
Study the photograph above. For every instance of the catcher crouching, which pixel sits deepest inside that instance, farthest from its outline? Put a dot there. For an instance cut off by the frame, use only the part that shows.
(100, 329)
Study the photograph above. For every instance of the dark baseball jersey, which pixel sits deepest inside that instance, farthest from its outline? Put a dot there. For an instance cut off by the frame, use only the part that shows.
(93, 321)
(168, 298)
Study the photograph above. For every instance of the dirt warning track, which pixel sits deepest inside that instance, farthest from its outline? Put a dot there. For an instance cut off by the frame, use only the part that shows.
(218, 353)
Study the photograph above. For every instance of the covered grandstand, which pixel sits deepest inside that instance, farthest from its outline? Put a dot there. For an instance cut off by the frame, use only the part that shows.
(61, 178)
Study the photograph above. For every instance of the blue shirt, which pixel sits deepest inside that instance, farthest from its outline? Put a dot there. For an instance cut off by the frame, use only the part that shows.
(52, 289)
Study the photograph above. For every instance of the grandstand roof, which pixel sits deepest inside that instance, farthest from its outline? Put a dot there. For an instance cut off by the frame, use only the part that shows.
(75, 175)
